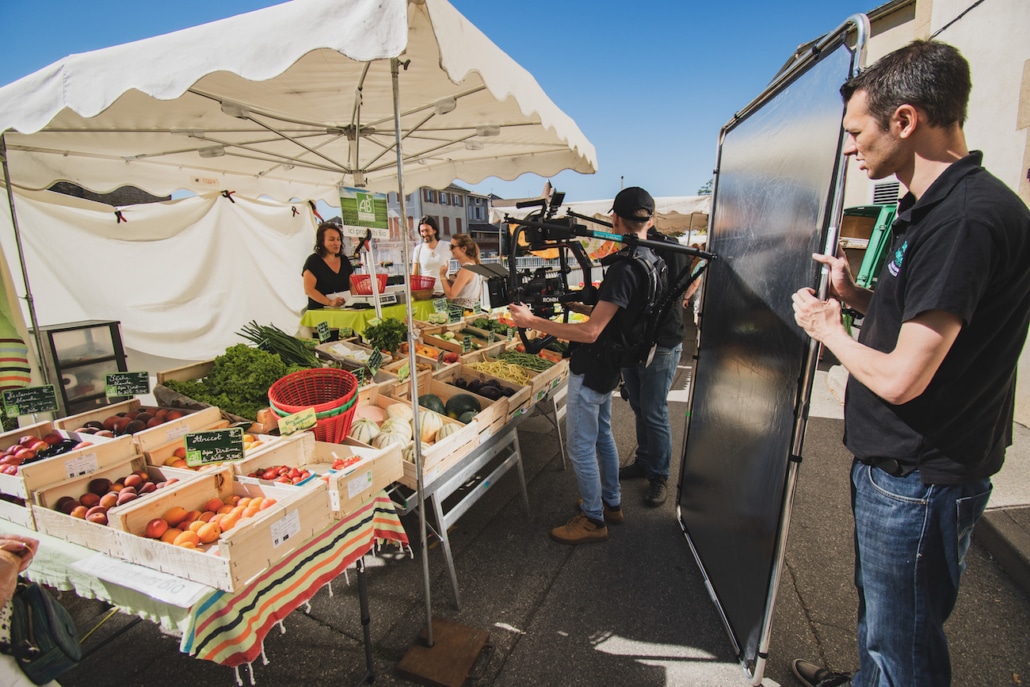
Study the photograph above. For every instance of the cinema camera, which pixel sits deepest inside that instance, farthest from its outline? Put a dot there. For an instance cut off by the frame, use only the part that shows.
(545, 290)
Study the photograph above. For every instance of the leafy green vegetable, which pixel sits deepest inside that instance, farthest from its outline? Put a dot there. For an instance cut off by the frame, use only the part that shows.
(270, 338)
(238, 382)
(386, 335)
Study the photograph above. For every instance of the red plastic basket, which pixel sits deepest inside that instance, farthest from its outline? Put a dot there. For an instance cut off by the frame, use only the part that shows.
(321, 388)
(361, 284)
(421, 283)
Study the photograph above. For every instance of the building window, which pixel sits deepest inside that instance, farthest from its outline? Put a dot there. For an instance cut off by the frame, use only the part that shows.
(457, 224)
(443, 198)
(458, 201)
(427, 194)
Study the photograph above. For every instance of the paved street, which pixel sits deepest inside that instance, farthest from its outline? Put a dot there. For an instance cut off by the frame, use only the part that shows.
(632, 611)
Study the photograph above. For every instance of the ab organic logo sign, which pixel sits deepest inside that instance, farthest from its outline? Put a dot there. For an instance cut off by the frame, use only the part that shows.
(366, 207)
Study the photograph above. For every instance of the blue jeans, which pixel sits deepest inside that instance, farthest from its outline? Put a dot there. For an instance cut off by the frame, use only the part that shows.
(591, 446)
(648, 389)
(910, 545)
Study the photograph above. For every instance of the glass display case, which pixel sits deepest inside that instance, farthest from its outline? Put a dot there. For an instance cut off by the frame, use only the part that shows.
(77, 357)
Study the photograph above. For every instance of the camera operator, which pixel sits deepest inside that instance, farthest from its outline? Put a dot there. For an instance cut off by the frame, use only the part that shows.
(592, 451)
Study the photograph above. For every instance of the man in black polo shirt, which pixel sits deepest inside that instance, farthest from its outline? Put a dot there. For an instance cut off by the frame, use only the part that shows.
(929, 406)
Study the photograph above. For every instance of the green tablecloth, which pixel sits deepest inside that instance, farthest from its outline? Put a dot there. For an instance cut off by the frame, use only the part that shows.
(357, 320)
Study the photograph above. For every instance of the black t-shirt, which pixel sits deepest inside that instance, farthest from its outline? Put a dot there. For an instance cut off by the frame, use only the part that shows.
(327, 281)
(626, 285)
(963, 248)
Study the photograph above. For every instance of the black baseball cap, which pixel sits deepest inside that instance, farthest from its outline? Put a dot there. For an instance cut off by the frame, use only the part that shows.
(630, 201)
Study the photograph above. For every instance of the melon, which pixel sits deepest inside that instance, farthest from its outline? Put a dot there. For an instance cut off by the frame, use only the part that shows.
(429, 422)
(363, 430)
(446, 430)
(459, 404)
(408, 452)
(397, 426)
(370, 412)
(401, 410)
(384, 439)
(467, 417)
(433, 402)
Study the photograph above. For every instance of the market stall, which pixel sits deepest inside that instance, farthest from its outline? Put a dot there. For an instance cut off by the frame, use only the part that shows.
(321, 111)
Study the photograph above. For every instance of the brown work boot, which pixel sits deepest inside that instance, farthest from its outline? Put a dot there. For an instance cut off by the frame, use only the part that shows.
(580, 530)
(613, 515)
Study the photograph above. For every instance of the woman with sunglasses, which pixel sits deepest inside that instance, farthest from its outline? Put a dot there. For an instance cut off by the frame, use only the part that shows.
(431, 253)
(466, 286)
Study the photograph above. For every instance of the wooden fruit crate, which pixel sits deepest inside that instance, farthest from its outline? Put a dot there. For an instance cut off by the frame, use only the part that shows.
(161, 436)
(521, 398)
(349, 487)
(244, 552)
(197, 370)
(32, 476)
(490, 411)
(74, 422)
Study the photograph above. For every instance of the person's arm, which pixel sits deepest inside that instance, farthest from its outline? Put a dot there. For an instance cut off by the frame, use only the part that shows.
(452, 287)
(898, 376)
(583, 332)
(842, 284)
(314, 294)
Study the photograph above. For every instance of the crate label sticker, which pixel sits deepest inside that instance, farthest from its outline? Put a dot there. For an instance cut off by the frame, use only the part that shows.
(323, 332)
(286, 527)
(214, 446)
(403, 373)
(30, 400)
(177, 432)
(126, 384)
(334, 499)
(297, 422)
(439, 305)
(359, 484)
(81, 465)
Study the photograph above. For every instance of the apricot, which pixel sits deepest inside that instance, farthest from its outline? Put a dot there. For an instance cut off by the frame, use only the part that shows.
(225, 509)
(187, 545)
(187, 536)
(191, 516)
(229, 521)
(250, 511)
(243, 501)
(89, 499)
(232, 500)
(79, 512)
(209, 532)
(170, 534)
(156, 528)
(196, 525)
(179, 463)
(179, 452)
(267, 503)
(109, 500)
(206, 516)
(175, 515)
(213, 505)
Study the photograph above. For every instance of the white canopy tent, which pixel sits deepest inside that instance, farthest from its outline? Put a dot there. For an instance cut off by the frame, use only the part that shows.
(288, 102)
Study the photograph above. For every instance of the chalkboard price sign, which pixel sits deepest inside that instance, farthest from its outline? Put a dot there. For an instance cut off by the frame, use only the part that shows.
(323, 332)
(440, 305)
(214, 446)
(305, 419)
(126, 383)
(455, 313)
(466, 344)
(375, 361)
(31, 399)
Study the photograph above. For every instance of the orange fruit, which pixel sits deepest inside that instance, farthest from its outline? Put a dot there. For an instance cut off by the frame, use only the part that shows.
(170, 534)
(255, 502)
(250, 512)
(213, 505)
(209, 532)
(229, 521)
(206, 516)
(189, 537)
(267, 503)
(232, 500)
(175, 515)
(191, 516)
(227, 508)
(196, 525)
(243, 501)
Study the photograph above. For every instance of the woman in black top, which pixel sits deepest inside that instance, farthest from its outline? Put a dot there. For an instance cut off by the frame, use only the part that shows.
(326, 270)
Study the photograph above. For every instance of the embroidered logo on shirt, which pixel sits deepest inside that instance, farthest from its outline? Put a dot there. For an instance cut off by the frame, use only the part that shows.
(895, 266)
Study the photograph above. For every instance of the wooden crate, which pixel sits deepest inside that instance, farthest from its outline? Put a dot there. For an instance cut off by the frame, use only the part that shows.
(433, 465)
(74, 422)
(460, 442)
(243, 553)
(349, 487)
(172, 432)
(100, 453)
(521, 397)
(544, 382)
(163, 455)
(197, 370)
(489, 412)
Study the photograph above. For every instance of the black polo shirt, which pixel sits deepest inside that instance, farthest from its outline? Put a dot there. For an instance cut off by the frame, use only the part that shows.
(963, 248)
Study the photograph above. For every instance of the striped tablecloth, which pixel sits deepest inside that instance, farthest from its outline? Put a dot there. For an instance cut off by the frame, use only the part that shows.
(229, 628)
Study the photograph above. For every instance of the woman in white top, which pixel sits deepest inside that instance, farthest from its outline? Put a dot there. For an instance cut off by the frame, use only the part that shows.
(466, 287)
(431, 253)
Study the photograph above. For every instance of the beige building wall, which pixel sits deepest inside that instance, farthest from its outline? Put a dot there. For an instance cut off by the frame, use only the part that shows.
(992, 36)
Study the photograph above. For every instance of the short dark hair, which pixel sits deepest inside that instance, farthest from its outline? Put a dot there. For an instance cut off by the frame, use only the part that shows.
(320, 236)
(431, 221)
(929, 75)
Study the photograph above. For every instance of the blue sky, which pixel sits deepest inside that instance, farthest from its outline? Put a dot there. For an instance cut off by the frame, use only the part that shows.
(650, 82)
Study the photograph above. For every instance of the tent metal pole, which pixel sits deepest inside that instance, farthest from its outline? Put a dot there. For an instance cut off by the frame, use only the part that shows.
(412, 367)
(21, 259)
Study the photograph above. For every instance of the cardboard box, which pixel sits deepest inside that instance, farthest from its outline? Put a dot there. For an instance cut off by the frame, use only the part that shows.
(245, 551)
(349, 487)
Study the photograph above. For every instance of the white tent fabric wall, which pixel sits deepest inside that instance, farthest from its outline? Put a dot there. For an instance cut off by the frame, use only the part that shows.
(182, 276)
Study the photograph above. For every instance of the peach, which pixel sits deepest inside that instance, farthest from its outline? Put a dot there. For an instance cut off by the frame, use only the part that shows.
(148, 487)
(89, 499)
(125, 497)
(109, 500)
(79, 512)
(134, 481)
(65, 504)
(180, 452)
(267, 503)
(98, 518)
(99, 486)
(156, 528)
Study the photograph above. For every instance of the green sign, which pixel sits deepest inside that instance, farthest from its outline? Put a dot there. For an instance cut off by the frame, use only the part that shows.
(213, 446)
(323, 332)
(360, 374)
(375, 361)
(439, 305)
(511, 334)
(31, 399)
(466, 344)
(403, 373)
(127, 383)
(305, 419)
(362, 210)
(455, 313)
